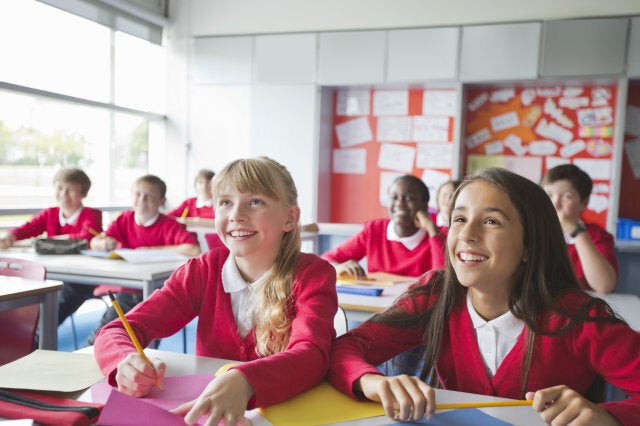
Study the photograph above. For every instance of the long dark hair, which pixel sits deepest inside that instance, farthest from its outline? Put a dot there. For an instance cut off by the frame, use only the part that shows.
(546, 275)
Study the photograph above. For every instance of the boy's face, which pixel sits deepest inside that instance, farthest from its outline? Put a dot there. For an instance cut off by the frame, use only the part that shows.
(68, 195)
(147, 200)
(566, 199)
(203, 188)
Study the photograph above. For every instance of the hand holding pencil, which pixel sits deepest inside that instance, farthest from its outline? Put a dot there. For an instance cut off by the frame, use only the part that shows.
(134, 376)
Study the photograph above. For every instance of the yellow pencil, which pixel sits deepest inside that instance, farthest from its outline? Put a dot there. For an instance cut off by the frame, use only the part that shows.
(132, 335)
(93, 232)
(481, 404)
(185, 212)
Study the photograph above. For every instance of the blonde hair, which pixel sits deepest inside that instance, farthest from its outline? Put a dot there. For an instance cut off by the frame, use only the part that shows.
(265, 176)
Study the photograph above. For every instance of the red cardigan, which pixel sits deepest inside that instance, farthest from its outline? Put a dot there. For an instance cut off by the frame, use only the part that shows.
(605, 244)
(190, 203)
(389, 256)
(49, 220)
(195, 289)
(609, 350)
(166, 231)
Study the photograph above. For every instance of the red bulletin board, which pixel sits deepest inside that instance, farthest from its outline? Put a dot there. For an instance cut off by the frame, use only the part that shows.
(381, 134)
(630, 184)
(531, 129)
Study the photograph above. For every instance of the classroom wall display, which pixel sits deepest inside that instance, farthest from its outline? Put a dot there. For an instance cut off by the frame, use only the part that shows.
(629, 206)
(530, 129)
(381, 134)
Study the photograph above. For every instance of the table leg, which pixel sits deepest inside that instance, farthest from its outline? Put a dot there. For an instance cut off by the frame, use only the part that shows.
(48, 322)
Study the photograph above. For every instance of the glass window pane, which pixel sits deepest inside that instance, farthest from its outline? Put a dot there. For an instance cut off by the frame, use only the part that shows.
(139, 74)
(46, 48)
(131, 155)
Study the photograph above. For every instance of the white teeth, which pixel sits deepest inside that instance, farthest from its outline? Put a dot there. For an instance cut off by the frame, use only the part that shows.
(240, 233)
(471, 257)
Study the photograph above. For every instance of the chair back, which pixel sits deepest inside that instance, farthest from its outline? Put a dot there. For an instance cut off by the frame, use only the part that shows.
(18, 326)
(340, 322)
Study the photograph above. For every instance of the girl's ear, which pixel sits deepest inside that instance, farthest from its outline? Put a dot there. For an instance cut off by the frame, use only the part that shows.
(293, 217)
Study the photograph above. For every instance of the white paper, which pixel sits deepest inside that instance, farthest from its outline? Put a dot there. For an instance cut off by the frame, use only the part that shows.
(632, 124)
(434, 179)
(435, 155)
(601, 188)
(573, 148)
(149, 255)
(514, 143)
(573, 103)
(548, 92)
(598, 203)
(542, 148)
(353, 102)
(439, 102)
(551, 130)
(557, 113)
(595, 116)
(354, 132)
(493, 148)
(572, 91)
(394, 129)
(478, 137)
(504, 121)
(632, 149)
(430, 129)
(478, 101)
(350, 161)
(527, 96)
(529, 167)
(596, 169)
(503, 95)
(390, 102)
(386, 179)
(396, 157)
(601, 96)
(599, 147)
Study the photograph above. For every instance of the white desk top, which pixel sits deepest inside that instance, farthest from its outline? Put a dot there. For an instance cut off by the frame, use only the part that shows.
(16, 287)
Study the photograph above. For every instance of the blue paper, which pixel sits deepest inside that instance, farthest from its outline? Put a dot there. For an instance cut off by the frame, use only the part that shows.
(460, 417)
(364, 291)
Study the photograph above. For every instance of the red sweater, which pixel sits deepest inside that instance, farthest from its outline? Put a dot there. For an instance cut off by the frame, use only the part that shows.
(573, 359)
(164, 232)
(195, 289)
(49, 220)
(605, 244)
(389, 256)
(190, 203)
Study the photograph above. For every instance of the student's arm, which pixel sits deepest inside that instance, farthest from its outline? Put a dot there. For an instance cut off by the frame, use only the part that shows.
(345, 257)
(423, 220)
(89, 224)
(35, 226)
(598, 270)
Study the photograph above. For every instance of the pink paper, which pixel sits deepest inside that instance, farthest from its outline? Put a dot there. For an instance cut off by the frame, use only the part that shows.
(152, 409)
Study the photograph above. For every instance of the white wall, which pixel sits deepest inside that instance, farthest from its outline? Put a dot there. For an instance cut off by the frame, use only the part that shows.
(226, 17)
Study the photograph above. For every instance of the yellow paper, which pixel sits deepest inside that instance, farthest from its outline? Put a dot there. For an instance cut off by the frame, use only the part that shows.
(321, 405)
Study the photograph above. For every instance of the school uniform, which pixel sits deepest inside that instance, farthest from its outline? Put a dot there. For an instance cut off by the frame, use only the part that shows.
(387, 255)
(159, 231)
(575, 359)
(197, 208)
(605, 244)
(51, 221)
(197, 289)
(78, 226)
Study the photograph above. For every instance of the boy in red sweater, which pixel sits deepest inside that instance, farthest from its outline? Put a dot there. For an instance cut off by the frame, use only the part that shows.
(144, 227)
(69, 220)
(197, 210)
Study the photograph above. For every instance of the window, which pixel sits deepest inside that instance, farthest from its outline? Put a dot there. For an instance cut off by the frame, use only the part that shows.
(74, 93)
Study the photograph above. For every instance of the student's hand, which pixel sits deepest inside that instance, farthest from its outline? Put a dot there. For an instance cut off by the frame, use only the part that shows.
(404, 398)
(103, 243)
(7, 241)
(351, 269)
(560, 405)
(135, 377)
(423, 221)
(224, 400)
(568, 224)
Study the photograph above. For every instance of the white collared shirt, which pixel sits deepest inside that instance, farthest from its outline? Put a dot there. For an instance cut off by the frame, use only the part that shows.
(71, 220)
(147, 223)
(495, 338)
(204, 203)
(410, 242)
(242, 295)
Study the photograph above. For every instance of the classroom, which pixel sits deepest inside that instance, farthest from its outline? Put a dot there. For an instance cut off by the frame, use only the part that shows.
(347, 95)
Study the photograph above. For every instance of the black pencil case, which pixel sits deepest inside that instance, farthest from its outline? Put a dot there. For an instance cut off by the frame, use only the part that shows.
(55, 246)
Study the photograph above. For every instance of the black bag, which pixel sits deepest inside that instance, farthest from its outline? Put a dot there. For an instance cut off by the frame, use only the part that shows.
(54, 246)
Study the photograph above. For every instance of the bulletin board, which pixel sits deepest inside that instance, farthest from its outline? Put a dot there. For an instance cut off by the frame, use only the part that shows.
(630, 182)
(531, 129)
(379, 135)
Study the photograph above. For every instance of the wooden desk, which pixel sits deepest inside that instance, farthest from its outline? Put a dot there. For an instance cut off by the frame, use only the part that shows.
(16, 292)
(182, 364)
(80, 269)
